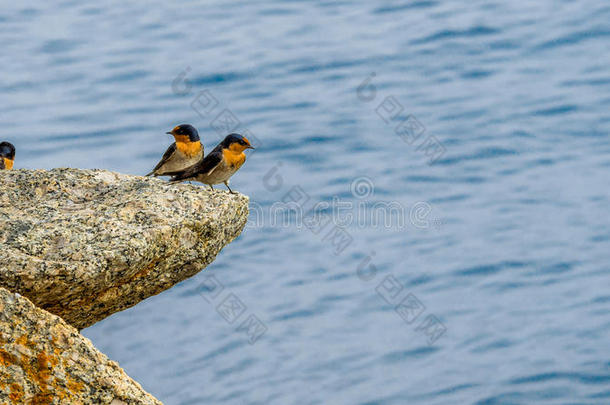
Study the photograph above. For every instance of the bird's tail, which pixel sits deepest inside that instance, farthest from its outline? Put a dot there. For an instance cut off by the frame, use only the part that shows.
(150, 174)
(177, 179)
(183, 175)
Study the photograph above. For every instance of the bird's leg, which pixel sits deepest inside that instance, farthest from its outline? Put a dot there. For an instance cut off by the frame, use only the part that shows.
(211, 186)
(227, 184)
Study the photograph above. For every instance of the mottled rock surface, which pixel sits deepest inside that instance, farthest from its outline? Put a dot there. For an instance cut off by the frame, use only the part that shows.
(43, 360)
(84, 244)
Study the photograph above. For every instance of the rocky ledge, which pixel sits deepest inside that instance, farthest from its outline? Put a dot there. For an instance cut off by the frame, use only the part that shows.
(84, 244)
(43, 360)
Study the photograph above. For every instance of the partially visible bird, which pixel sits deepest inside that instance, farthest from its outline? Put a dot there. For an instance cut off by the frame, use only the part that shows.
(7, 155)
(185, 152)
(219, 165)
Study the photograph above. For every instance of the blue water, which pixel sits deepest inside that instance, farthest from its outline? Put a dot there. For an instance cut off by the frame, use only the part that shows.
(506, 245)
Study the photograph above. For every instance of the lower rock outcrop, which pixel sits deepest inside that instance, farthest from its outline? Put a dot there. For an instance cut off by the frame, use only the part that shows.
(45, 361)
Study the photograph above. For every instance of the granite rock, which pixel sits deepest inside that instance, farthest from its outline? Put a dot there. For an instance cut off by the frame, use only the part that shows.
(45, 361)
(84, 244)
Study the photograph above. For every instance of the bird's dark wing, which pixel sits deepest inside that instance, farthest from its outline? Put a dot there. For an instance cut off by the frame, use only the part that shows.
(205, 166)
(168, 153)
(1, 163)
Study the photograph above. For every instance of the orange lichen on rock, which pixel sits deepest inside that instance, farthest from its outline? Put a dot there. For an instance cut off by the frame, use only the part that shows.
(16, 394)
(39, 372)
(6, 359)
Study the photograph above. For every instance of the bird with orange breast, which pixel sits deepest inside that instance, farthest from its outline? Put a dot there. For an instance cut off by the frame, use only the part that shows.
(219, 165)
(185, 152)
(7, 155)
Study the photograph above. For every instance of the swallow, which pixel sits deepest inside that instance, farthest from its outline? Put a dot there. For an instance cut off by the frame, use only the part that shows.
(7, 155)
(185, 152)
(218, 166)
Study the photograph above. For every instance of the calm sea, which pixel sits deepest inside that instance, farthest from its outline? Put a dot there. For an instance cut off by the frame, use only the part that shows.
(456, 154)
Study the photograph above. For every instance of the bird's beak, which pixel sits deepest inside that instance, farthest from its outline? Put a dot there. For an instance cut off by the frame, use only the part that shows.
(170, 133)
(250, 147)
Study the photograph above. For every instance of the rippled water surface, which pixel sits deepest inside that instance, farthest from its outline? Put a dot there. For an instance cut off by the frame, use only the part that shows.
(506, 239)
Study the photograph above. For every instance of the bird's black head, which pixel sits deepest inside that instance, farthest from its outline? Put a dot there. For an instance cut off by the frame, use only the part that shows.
(236, 143)
(185, 132)
(7, 150)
